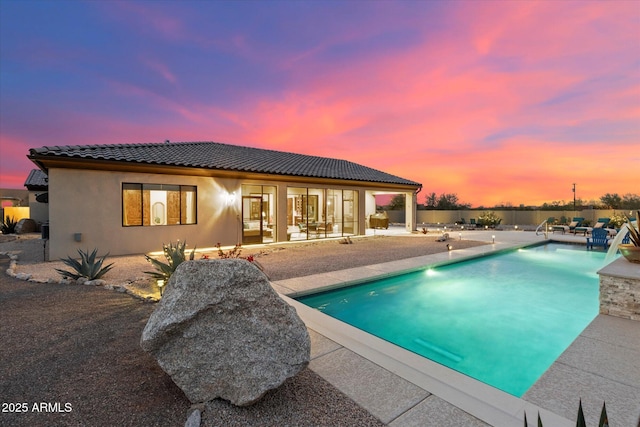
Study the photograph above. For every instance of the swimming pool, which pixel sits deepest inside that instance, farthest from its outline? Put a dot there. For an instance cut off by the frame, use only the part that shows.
(501, 319)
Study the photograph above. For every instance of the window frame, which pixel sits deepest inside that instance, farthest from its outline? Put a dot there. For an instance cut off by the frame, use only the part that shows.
(182, 207)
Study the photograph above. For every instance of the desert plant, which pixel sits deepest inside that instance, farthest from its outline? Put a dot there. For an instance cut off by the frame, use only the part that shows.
(634, 231)
(88, 268)
(580, 422)
(235, 253)
(174, 255)
(231, 253)
(617, 219)
(8, 226)
(489, 219)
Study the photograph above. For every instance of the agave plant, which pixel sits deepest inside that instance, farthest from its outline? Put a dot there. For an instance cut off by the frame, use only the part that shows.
(580, 422)
(174, 255)
(88, 267)
(634, 231)
(8, 226)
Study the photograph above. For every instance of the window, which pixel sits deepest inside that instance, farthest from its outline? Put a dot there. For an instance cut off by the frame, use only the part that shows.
(158, 204)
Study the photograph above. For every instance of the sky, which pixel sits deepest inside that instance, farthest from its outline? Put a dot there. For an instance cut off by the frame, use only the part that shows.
(497, 102)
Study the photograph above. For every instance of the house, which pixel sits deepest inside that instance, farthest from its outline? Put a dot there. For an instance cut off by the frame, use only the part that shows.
(131, 198)
(38, 186)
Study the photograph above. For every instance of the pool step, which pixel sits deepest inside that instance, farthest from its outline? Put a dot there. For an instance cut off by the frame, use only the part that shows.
(437, 349)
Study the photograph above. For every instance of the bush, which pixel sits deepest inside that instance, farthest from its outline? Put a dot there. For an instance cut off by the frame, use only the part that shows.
(617, 219)
(489, 219)
(8, 226)
(88, 268)
(174, 255)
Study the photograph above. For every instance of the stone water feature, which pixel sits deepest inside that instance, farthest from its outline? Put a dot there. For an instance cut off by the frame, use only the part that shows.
(619, 283)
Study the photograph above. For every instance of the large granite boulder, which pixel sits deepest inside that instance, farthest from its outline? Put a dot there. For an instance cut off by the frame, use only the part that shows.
(221, 331)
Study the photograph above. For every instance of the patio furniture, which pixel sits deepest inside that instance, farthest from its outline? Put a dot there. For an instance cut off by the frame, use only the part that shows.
(602, 223)
(626, 239)
(599, 237)
(324, 228)
(575, 222)
(379, 220)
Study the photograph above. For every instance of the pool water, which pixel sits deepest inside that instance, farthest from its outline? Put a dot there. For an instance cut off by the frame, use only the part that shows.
(501, 319)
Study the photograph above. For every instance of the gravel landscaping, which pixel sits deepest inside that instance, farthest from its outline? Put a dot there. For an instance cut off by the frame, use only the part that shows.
(71, 354)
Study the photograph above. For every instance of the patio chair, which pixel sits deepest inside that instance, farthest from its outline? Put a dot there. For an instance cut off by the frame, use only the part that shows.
(472, 223)
(575, 222)
(599, 237)
(602, 223)
(303, 227)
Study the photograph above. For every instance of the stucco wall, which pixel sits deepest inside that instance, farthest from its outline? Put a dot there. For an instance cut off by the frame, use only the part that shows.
(509, 217)
(89, 203)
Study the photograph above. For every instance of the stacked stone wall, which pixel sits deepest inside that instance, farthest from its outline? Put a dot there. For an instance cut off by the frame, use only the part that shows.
(620, 296)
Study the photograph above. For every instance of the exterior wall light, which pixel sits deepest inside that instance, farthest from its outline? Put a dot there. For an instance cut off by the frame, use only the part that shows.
(231, 198)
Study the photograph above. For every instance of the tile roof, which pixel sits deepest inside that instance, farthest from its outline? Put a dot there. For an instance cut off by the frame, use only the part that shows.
(37, 180)
(218, 156)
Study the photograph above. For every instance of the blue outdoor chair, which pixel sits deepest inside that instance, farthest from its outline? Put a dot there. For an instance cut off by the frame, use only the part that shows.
(599, 237)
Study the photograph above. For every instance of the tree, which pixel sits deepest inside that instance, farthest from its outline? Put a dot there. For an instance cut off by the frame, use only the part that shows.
(431, 200)
(447, 201)
(397, 203)
(444, 201)
(611, 201)
(630, 201)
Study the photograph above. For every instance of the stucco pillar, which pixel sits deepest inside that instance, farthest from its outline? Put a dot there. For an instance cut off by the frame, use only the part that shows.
(281, 212)
(411, 211)
(362, 214)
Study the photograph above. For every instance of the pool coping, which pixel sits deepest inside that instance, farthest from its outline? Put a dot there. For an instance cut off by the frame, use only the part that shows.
(478, 399)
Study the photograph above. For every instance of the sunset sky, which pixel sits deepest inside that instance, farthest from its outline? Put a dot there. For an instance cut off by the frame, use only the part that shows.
(498, 102)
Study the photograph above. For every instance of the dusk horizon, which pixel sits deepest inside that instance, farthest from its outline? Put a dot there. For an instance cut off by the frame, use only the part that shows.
(498, 103)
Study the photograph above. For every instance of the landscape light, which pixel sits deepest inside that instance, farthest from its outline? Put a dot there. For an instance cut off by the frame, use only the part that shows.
(449, 247)
(160, 283)
(493, 238)
(460, 236)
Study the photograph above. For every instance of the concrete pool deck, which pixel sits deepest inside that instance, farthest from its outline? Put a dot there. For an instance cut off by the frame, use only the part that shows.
(402, 389)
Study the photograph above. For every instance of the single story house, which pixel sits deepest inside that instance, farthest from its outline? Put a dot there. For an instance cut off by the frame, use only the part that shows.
(38, 187)
(131, 198)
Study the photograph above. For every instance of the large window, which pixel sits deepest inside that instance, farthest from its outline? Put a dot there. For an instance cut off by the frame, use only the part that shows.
(314, 213)
(158, 204)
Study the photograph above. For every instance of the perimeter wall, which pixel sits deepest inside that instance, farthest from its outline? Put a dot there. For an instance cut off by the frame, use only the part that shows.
(509, 217)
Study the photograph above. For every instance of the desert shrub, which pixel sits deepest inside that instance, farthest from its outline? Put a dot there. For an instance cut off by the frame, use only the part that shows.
(489, 219)
(89, 267)
(231, 253)
(8, 226)
(175, 256)
(616, 220)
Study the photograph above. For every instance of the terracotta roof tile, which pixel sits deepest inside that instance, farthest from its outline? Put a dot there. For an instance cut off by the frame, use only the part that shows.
(213, 155)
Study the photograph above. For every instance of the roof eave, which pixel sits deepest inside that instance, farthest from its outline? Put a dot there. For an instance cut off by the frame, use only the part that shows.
(45, 162)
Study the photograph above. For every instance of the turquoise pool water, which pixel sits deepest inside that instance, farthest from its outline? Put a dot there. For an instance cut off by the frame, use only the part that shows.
(501, 319)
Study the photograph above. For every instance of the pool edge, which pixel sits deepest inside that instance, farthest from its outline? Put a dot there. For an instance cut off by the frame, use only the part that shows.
(483, 401)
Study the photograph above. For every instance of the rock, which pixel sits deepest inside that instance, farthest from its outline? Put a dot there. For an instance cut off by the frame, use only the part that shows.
(194, 419)
(26, 225)
(221, 331)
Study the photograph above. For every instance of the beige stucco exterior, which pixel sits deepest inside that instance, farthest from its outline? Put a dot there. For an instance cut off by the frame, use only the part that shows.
(86, 205)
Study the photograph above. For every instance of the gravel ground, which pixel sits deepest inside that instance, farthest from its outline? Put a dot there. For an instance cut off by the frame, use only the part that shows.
(76, 348)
